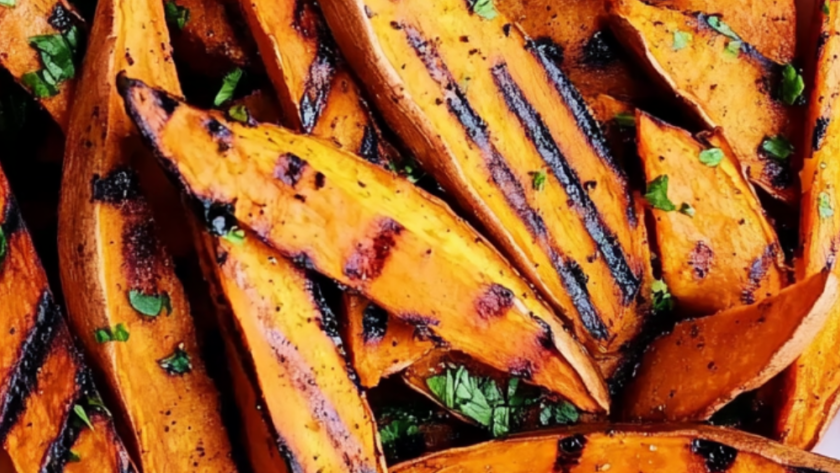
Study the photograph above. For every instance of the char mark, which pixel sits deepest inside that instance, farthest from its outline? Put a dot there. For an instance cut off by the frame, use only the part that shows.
(423, 327)
(757, 271)
(220, 134)
(494, 302)
(776, 172)
(600, 50)
(218, 217)
(11, 217)
(700, 259)
(821, 43)
(33, 353)
(802, 469)
(59, 450)
(820, 129)
(569, 451)
(322, 290)
(374, 323)
(717, 456)
(370, 255)
(541, 138)
(502, 175)
(289, 169)
(316, 92)
(369, 149)
(575, 281)
(119, 186)
(143, 255)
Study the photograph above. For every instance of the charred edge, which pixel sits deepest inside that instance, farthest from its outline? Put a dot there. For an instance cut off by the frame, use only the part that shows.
(303, 261)
(820, 129)
(776, 173)
(119, 186)
(316, 92)
(289, 169)
(369, 149)
(218, 217)
(600, 50)
(374, 323)
(316, 285)
(802, 469)
(823, 38)
(33, 353)
(700, 259)
(423, 327)
(569, 451)
(220, 134)
(370, 256)
(495, 302)
(758, 269)
(142, 253)
(575, 281)
(718, 457)
(59, 450)
(546, 338)
(542, 140)
(12, 222)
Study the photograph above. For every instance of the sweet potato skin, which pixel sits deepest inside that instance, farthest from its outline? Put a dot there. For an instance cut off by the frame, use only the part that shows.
(626, 448)
(709, 82)
(726, 253)
(691, 372)
(108, 247)
(810, 396)
(467, 119)
(387, 231)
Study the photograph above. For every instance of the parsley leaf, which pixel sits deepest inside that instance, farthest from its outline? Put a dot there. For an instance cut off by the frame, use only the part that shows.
(681, 39)
(687, 209)
(38, 83)
(558, 414)
(176, 15)
(657, 194)
(235, 235)
(778, 147)
(149, 304)
(792, 85)
(824, 205)
(239, 113)
(7, 3)
(102, 335)
(733, 48)
(407, 168)
(121, 333)
(82, 415)
(721, 27)
(711, 157)
(229, 84)
(538, 179)
(625, 119)
(56, 55)
(825, 8)
(484, 9)
(73, 457)
(105, 335)
(177, 363)
(662, 300)
(4, 245)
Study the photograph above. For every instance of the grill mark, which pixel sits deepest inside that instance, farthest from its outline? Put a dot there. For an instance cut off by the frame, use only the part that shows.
(503, 177)
(370, 255)
(758, 269)
(117, 187)
(33, 353)
(369, 148)
(57, 453)
(374, 323)
(700, 259)
(820, 129)
(495, 302)
(289, 169)
(718, 457)
(423, 327)
(143, 255)
(220, 134)
(218, 217)
(541, 138)
(318, 85)
(569, 451)
(315, 285)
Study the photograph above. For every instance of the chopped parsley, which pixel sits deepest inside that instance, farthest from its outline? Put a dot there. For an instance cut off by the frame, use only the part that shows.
(7, 3)
(662, 300)
(824, 205)
(792, 85)
(121, 333)
(733, 48)
(105, 335)
(484, 9)
(625, 119)
(82, 415)
(149, 304)
(235, 235)
(721, 27)
(538, 179)
(176, 15)
(229, 84)
(681, 39)
(406, 168)
(40, 84)
(687, 209)
(777, 147)
(239, 113)
(562, 413)
(177, 363)
(4, 245)
(73, 457)
(657, 194)
(825, 8)
(711, 157)
(57, 52)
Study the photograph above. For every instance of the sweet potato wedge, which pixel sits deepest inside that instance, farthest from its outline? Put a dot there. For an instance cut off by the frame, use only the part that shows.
(726, 82)
(810, 393)
(716, 247)
(354, 222)
(619, 448)
(42, 375)
(704, 363)
(115, 271)
(30, 19)
(497, 123)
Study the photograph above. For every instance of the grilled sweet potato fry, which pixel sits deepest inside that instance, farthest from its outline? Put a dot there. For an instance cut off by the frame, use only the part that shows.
(621, 448)
(114, 270)
(352, 221)
(58, 29)
(497, 123)
(716, 247)
(724, 80)
(810, 396)
(704, 363)
(42, 375)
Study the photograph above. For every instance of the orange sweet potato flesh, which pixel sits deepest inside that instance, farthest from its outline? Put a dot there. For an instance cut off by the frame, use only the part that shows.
(109, 250)
(620, 448)
(42, 375)
(33, 18)
(733, 93)
(704, 363)
(726, 253)
(381, 236)
(485, 117)
(810, 396)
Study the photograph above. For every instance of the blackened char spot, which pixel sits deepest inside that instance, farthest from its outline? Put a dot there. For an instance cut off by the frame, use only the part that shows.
(422, 326)
(374, 322)
(569, 451)
(11, 217)
(600, 50)
(316, 92)
(59, 450)
(718, 457)
(758, 269)
(371, 254)
(700, 259)
(61, 18)
(821, 43)
(166, 102)
(541, 138)
(218, 217)
(322, 291)
(820, 128)
(220, 134)
(119, 186)
(143, 254)
(289, 169)
(495, 302)
(369, 149)
(775, 171)
(303, 261)
(32, 354)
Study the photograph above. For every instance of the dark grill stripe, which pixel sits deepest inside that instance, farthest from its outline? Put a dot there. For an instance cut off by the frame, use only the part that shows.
(59, 450)
(318, 86)
(322, 290)
(369, 147)
(503, 177)
(541, 138)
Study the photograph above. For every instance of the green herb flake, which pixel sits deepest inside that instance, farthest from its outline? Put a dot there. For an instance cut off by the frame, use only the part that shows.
(825, 8)
(95, 402)
(563, 413)
(235, 235)
(662, 300)
(657, 194)
(681, 39)
(40, 83)
(82, 415)
(239, 113)
(102, 335)
(687, 209)
(7, 3)
(538, 179)
(149, 304)
(4, 245)
(121, 333)
(396, 430)
(792, 85)
(407, 168)
(824, 205)
(56, 55)
(229, 84)
(711, 157)
(721, 27)
(178, 363)
(176, 15)
(625, 120)
(484, 9)
(73, 457)
(777, 147)
(733, 48)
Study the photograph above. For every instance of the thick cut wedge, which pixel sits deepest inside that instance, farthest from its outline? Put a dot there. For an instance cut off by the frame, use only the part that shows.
(810, 396)
(725, 81)
(704, 363)
(115, 271)
(57, 24)
(716, 247)
(42, 375)
(619, 448)
(356, 223)
(503, 130)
